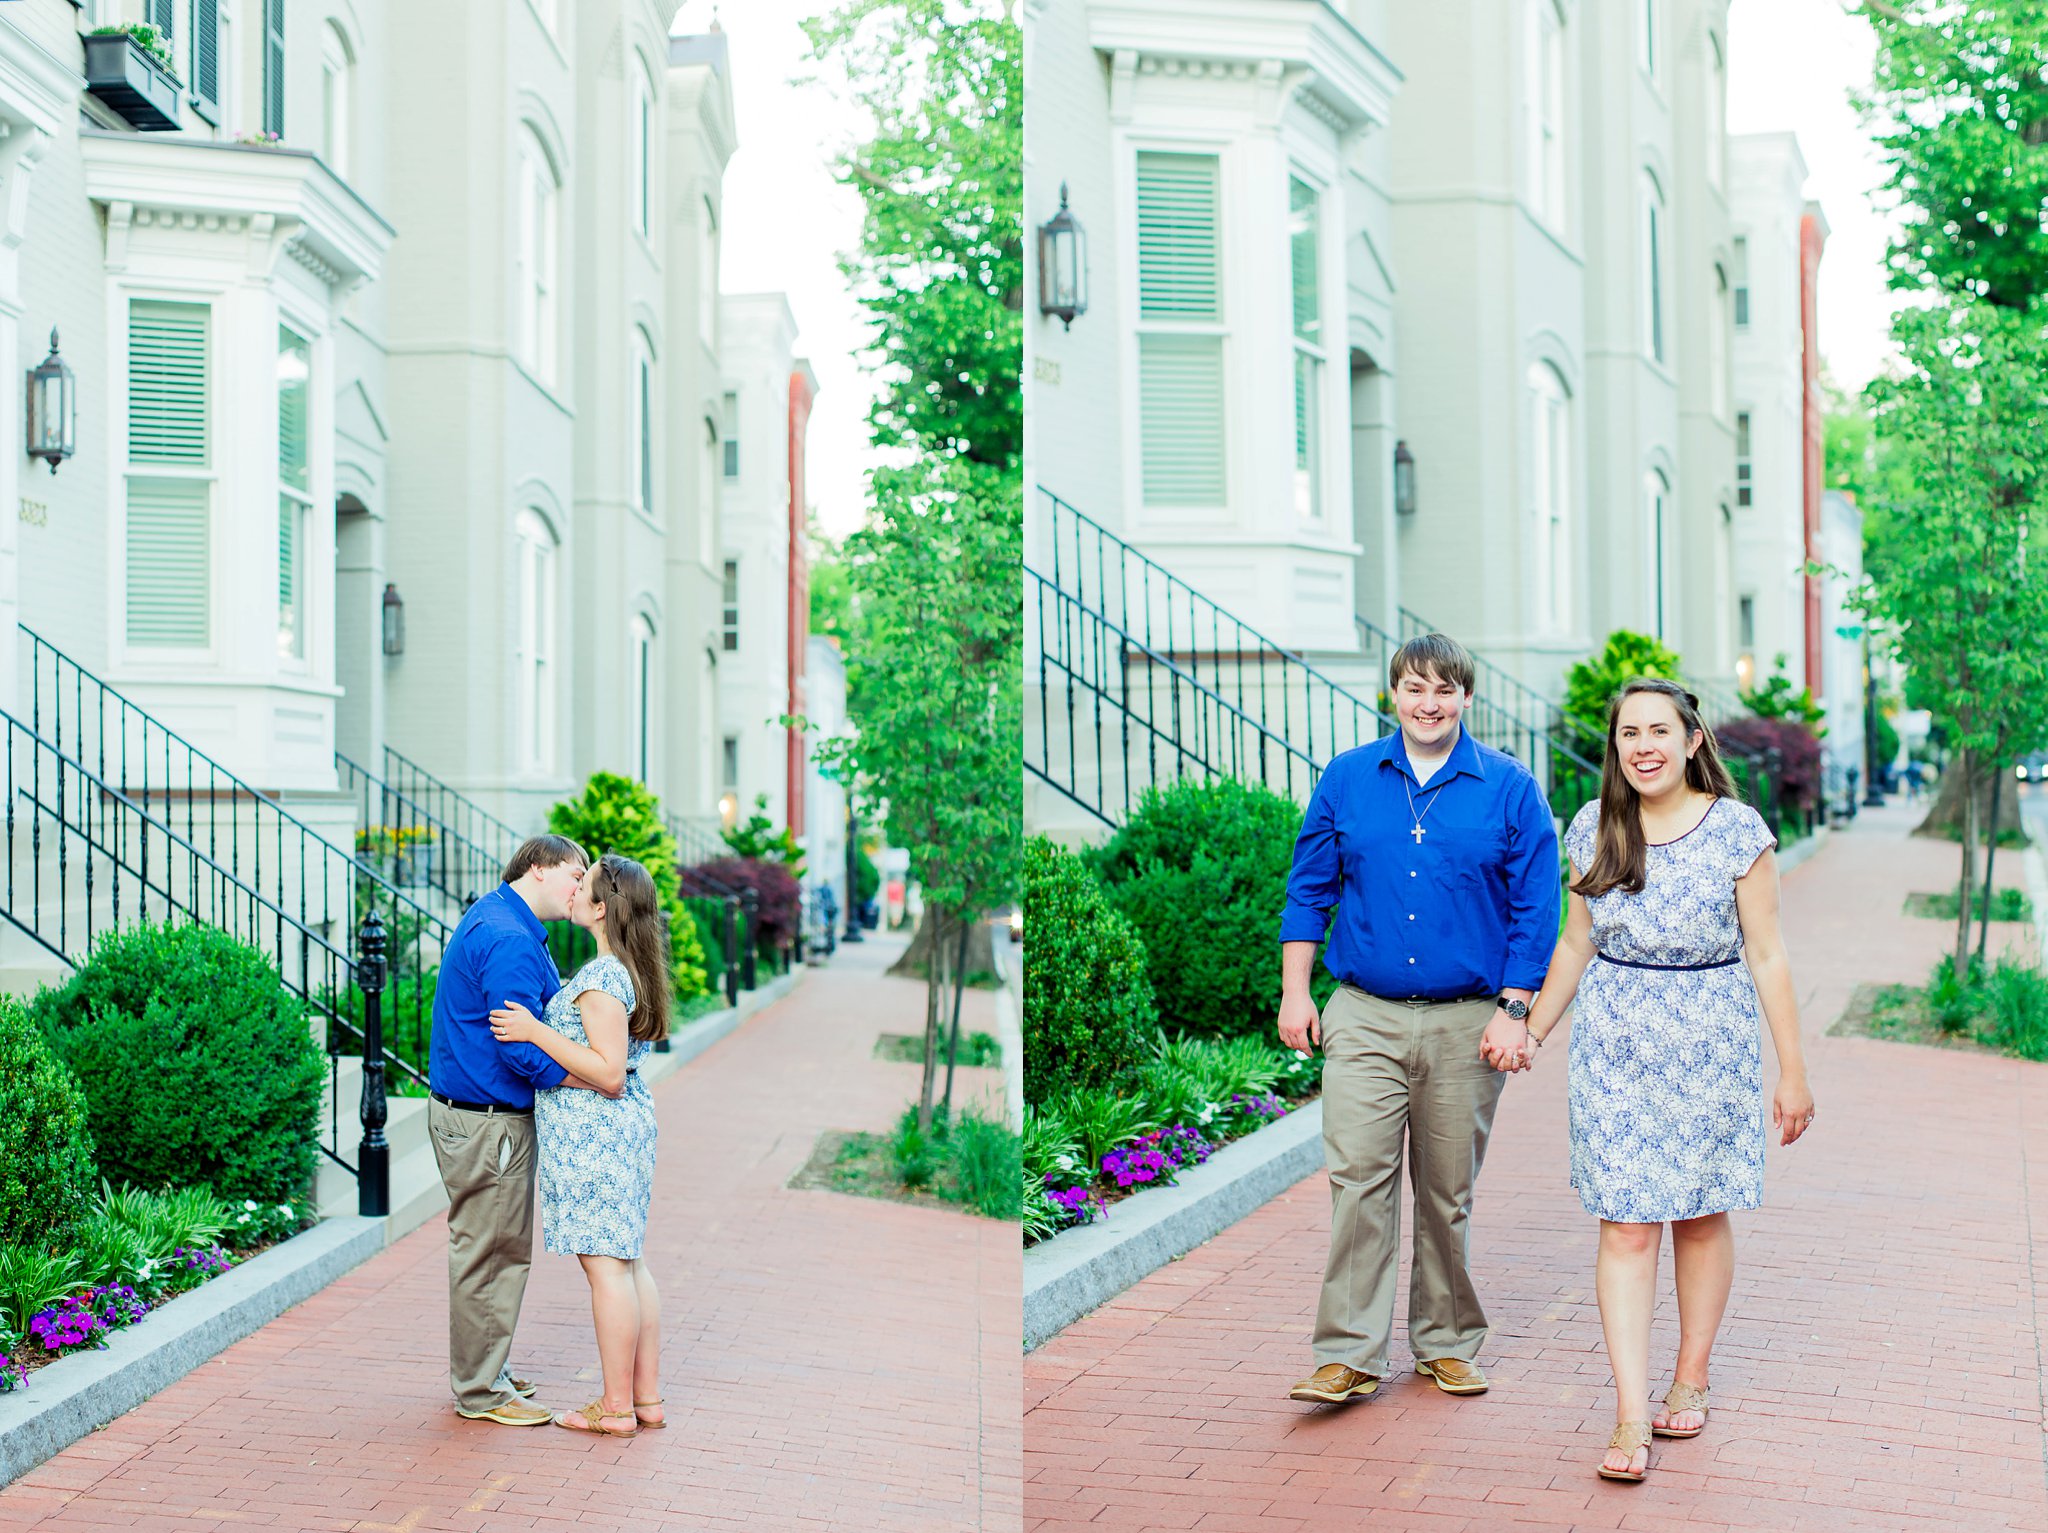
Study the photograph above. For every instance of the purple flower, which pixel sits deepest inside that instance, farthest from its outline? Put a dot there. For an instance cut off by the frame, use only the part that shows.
(12, 1374)
(1156, 1156)
(1264, 1106)
(68, 1326)
(1078, 1205)
(117, 1304)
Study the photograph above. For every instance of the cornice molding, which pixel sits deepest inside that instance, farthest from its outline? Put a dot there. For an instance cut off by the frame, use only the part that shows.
(1315, 55)
(283, 201)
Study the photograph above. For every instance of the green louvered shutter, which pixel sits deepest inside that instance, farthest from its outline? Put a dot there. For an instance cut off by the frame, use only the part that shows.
(205, 66)
(1180, 375)
(1178, 266)
(167, 518)
(273, 67)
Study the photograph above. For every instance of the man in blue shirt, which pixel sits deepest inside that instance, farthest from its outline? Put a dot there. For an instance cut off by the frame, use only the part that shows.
(1439, 857)
(481, 1118)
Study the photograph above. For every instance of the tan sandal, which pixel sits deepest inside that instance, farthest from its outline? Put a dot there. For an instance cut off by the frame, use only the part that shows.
(645, 1405)
(594, 1415)
(1629, 1437)
(1683, 1397)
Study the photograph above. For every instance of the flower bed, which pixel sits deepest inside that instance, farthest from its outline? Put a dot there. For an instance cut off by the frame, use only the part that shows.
(134, 1253)
(1087, 1150)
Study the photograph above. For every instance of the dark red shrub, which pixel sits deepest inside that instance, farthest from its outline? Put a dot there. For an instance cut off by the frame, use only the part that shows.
(1799, 775)
(771, 881)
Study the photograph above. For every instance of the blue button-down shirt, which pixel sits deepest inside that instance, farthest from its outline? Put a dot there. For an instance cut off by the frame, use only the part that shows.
(499, 953)
(1468, 908)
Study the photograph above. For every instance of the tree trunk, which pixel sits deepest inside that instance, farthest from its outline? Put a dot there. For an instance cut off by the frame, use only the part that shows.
(1969, 851)
(934, 1013)
(953, 1037)
(1990, 858)
(1945, 817)
(916, 959)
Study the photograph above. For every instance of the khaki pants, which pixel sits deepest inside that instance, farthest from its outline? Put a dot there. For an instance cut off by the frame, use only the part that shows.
(487, 1164)
(1392, 1068)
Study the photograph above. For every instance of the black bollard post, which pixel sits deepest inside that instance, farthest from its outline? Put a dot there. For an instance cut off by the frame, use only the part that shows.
(732, 950)
(750, 901)
(373, 1160)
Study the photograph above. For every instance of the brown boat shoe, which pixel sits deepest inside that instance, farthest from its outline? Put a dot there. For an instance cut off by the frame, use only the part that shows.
(1333, 1384)
(1453, 1375)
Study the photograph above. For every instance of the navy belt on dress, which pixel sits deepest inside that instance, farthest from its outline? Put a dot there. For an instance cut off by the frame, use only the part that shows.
(483, 1107)
(1630, 963)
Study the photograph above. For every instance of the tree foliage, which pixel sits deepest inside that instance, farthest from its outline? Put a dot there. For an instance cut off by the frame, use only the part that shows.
(1958, 104)
(622, 815)
(941, 264)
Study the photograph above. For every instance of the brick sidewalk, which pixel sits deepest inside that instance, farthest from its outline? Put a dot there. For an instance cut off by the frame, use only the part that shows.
(1880, 1367)
(832, 1362)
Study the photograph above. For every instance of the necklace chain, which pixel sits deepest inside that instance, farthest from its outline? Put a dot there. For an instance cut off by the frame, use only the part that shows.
(1418, 818)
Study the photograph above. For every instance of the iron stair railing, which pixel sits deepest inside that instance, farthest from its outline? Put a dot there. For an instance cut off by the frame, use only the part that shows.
(1111, 714)
(1170, 623)
(420, 848)
(83, 838)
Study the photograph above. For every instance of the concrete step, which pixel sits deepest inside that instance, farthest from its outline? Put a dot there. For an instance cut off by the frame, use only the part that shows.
(416, 1191)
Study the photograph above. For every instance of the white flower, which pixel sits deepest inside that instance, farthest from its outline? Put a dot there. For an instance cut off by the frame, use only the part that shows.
(1301, 1053)
(250, 1204)
(1064, 1162)
(285, 1209)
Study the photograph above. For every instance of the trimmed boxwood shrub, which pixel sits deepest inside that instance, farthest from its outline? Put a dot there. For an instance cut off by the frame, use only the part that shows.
(619, 814)
(46, 1157)
(1088, 1013)
(1200, 870)
(198, 1067)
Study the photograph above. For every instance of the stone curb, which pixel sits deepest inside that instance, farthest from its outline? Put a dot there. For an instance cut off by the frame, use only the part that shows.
(695, 1037)
(1801, 850)
(80, 1393)
(1069, 1275)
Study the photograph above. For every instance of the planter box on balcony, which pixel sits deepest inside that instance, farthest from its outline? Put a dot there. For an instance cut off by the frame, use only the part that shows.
(121, 72)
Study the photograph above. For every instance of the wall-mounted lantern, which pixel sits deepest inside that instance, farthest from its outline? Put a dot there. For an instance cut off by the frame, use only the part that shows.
(394, 621)
(52, 408)
(1404, 480)
(1063, 265)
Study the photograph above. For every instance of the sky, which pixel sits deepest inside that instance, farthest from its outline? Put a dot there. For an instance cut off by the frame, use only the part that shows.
(787, 222)
(1791, 65)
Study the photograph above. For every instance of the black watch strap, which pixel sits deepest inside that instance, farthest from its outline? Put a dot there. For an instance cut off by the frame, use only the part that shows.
(1519, 1010)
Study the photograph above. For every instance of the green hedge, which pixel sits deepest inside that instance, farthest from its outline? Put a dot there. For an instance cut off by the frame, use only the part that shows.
(617, 814)
(46, 1154)
(198, 1067)
(1200, 871)
(1088, 1014)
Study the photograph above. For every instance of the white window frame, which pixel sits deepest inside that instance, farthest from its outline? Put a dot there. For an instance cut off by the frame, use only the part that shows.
(729, 607)
(707, 275)
(537, 257)
(734, 461)
(640, 130)
(1655, 236)
(1309, 357)
(708, 480)
(294, 646)
(1717, 114)
(1656, 519)
(1550, 476)
(1167, 328)
(206, 473)
(538, 553)
(1745, 462)
(1546, 106)
(1739, 259)
(645, 411)
(640, 705)
(1648, 43)
(1718, 328)
(337, 104)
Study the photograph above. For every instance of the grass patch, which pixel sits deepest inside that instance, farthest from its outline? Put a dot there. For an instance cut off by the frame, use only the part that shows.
(968, 1162)
(2001, 1009)
(2006, 905)
(2012, 836)
(977, 1050)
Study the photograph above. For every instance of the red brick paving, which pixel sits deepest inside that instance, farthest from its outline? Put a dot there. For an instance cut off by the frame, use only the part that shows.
(1880, 1367)
(832, 1362)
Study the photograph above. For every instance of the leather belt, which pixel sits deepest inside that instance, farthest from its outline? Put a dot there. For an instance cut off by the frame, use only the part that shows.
(498, 1108)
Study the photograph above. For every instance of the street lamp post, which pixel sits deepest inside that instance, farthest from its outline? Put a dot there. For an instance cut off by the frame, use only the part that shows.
(1873, 795)
(852, 877)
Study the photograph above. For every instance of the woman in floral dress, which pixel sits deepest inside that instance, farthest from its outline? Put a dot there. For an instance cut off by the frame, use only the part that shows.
(1671, 948)
(596, 1171)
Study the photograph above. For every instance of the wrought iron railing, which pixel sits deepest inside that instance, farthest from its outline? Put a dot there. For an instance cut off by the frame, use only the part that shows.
(88, 855)
(1175, 629)
(453, 813)
(416, 847)
(1116, 718)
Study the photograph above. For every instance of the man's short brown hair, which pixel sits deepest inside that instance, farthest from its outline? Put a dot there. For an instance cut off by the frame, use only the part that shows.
(543, 852)
(1435, 655)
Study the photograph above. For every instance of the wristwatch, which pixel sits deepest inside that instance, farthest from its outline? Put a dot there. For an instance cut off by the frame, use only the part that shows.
(1518, 1010)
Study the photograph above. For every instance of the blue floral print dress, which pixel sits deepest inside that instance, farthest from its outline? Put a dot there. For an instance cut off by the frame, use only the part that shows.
(1666, 1068)
(596, 1173)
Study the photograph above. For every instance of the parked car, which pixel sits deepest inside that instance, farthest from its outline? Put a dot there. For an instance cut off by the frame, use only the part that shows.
(1016, 923)
(2032, 768)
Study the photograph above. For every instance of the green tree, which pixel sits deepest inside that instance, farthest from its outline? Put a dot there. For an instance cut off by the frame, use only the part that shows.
(1965, 587)
(1591, 685)
(1958, 104)
(760, 840)
(619, 814)
(941, 180)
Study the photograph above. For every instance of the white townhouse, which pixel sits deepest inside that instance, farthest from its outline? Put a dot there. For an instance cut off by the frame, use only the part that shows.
(764, 603)
(1402, 313)
(400, 406)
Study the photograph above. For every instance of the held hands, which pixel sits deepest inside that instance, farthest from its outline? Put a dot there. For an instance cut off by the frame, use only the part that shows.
(513, 1023)
(1300, 1027)
(1507, 1045)
(1792, 1109)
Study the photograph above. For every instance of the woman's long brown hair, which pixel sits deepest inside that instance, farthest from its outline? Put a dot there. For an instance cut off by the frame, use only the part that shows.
(1620, 858)
(637, 928)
